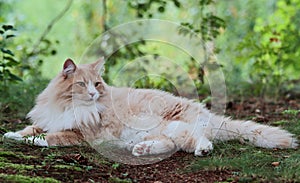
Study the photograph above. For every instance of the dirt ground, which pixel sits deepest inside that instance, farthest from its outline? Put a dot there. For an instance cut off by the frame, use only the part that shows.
(75, 164)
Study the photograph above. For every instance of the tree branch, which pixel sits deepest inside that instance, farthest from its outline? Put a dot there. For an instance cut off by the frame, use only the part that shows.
(49, 27)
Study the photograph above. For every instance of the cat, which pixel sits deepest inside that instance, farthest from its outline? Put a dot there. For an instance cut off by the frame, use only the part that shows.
(79, 106)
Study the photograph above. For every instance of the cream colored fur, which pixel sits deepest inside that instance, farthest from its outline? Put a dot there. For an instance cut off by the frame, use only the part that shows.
(78, 105)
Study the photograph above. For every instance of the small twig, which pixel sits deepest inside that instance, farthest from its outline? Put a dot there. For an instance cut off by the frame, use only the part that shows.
(49, 27)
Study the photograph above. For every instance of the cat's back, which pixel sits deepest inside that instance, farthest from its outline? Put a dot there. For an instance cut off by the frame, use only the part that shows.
(129, 101)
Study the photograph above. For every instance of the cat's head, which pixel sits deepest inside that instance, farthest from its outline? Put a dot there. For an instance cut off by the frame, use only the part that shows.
(81, 84)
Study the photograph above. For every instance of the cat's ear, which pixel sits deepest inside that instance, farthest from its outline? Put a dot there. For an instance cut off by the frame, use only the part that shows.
(99, 65)
(69, 67)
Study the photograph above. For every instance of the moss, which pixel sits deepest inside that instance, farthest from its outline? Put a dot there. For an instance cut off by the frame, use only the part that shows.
(15, 155)
(25, 179)
(249, 161)
(8, 153)
(4, 165)
(2, 159)
(118, 180)
(67, 167)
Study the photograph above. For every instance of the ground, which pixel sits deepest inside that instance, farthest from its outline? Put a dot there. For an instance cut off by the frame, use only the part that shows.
(229, 162)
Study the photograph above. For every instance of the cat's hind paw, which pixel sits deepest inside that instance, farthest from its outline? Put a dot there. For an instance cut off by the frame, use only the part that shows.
(153, 147)
(13, 135)
(141, 149)
(204, 148)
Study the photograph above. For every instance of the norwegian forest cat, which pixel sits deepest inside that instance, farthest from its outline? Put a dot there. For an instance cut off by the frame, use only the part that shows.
(78, 106)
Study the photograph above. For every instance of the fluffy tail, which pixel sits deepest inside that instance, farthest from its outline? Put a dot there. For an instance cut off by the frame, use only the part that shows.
(257, 134)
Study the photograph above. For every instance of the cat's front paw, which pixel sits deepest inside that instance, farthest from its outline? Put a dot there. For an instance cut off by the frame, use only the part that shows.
(13, 135)
(37, 141)
(203, 148)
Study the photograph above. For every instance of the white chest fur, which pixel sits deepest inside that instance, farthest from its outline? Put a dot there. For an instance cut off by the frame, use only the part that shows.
(50, 119)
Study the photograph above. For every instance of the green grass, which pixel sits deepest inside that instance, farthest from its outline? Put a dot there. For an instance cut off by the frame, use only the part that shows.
(20, 167)
(26, 179)
(4, 154)
(18, 98)
(251, 163)
(247, 163)
(20, 162)
(70, 167)
(255, 164)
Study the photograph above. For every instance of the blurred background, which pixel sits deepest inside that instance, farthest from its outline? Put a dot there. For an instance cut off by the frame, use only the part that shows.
(255, 43)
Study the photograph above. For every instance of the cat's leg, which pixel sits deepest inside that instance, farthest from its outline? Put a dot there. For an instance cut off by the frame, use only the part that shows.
(28, 131)
(202, 144)
(189, 137)
(181, 133)
(33, 136)
(64, 138)
(203, 147)
(153, 146)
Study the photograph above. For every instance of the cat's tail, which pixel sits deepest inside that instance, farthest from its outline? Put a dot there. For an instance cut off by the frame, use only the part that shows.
(248, 131)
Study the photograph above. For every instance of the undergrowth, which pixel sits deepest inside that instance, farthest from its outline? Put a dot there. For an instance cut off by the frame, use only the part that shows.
(21, 162)
(250, 163)
(19, 98)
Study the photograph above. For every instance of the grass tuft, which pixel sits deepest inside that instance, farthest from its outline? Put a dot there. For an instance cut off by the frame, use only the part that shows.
(26, 179)
(252, 163)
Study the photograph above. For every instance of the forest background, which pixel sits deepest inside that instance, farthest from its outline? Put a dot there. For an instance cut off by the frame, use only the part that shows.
(256, 42)
(256, 45)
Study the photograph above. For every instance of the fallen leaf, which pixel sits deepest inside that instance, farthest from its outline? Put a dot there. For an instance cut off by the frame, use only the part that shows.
(276, 163)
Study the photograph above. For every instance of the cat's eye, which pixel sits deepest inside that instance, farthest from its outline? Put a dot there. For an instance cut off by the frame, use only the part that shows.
(97, 84)
(80, 83)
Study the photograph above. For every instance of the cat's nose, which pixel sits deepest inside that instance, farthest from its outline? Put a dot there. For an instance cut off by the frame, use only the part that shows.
(92, 94)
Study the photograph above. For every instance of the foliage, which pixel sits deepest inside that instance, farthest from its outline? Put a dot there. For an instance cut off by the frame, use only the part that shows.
(19, 98)
(205, 23)
(14, 64)
(272, 50)
(144, 8)
(258, 48)
(208, 26)
(7, 59)
(154, 82)
(16, 95)
(252, 164)
(259, 42)
(20, 65)
(292, 114)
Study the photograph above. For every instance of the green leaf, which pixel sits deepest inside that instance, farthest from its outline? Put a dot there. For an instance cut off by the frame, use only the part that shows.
(10, 36)
(11, 59)
(11, 64)
(14, 77)
(53, 52)
(161, 9)
(281, 122)
(177, 3)
(7, 27)
(7, 51)
(205, 2)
